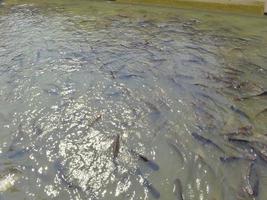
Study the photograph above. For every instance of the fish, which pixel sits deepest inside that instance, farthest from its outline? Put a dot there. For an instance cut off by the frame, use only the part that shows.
(17, 153)
(150, 163)
(17, 138)
(240, 112)
(177, 150)
(264, 93)
(230, 159)
(199, 49)
(116, 146)
(261, 112)
(37, 128)
(154, 113)
(128, 76)
(237, 139)
(206, 96)
(200, 84)
(149, 186)
(8, 178)
(206, 141)
(52, 90)
(203, 162)
(243, 140)
(61, 175)
(112, 73)
(152, 190)
(252, 181)
(145, 159)
(245, 145)
(97, 119)
(260, 149)
(243, 130)
(38, 55)
(234, 70)
(152, 107)
(178, 190)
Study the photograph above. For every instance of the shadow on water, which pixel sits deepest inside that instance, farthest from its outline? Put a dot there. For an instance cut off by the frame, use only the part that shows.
(101, 100)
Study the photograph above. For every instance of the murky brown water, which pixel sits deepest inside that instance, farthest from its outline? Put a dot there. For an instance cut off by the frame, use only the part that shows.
(74, 74)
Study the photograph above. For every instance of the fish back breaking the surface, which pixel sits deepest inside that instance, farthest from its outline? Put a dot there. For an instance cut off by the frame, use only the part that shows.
(116, 146)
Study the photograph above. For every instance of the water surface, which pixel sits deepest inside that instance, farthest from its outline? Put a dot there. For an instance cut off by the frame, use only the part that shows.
(74, 74)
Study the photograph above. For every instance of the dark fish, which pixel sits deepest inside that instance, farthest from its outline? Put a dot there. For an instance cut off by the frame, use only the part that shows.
(201, 113)
(244, 153)
(257, 147)
(252, 181)
(264, 93)
(61, 175)
(230, 159)
(128, 76)
(150, 163)
(240, 112)
(18, 137)
(237, 139)
(245, 130)
(176, 149)
(184, 77)
(203, 162)
(261, 112)
(151, 189)
(17, 153)
(249, 150)
(38, 55)
(36, 128)
(112, 73)
(154, 111)
(97, 119)
(178, 190)
(206, 141)
(145, 159)
(234, 70)
(199, 49)
(123, 16)
(214, 101)
(152, 107)
(260, 149)
(241, 131)
(52, 89)
(116, 146)
(200, 84)
(19, 58)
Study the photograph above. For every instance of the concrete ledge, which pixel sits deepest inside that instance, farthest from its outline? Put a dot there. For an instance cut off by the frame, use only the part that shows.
(250, 7)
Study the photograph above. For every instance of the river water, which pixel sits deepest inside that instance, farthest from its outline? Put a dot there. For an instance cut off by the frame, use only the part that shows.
(173, 84)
